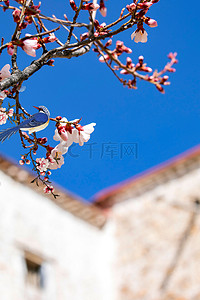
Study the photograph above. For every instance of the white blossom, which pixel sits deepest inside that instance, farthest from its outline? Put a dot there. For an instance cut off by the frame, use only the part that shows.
(42, 164)
(5, 73)
(139, 36)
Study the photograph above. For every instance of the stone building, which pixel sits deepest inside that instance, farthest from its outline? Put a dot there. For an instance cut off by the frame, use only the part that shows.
(138, 240)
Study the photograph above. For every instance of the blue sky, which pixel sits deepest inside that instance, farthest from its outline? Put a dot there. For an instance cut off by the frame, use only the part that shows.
(160, 126)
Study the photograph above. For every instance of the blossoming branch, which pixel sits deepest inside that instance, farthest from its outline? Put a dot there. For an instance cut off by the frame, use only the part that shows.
(80, 37)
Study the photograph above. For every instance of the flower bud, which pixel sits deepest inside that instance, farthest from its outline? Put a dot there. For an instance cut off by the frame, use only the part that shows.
(10, 49)
(108, 43)
(16, 15)
(151, 22)
(131, 7)
(73, 5)
(103, 9)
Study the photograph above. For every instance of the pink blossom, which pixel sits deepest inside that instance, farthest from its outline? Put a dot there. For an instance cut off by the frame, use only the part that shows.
(42, 164)
(83, 135)
(63, 133)
(48, 189)
(10, 112)
(60, 133)
(30, 45)
(139, 36)
(80, 134)
(3, 116)
(131, 7)
(2, 95)
(56, 160)
(21, 162)
(5, 73)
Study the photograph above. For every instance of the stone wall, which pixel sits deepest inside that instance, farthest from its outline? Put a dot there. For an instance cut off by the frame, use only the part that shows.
(158, 242)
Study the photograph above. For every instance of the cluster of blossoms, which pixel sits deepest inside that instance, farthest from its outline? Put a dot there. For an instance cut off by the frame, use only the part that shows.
(114, 54)
(90, 6)
(139, 10)
(29, 15)
(4, 114)
(30, 44)
(110, 56)
(66, 133)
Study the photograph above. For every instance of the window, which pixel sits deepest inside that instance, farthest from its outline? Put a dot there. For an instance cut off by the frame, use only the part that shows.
(34, 270)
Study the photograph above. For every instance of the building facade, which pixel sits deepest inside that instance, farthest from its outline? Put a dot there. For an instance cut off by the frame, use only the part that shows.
(138, 240)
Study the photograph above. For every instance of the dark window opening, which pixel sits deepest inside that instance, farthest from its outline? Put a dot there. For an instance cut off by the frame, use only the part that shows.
(34, 274)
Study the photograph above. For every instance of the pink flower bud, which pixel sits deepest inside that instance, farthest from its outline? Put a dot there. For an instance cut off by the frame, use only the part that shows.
(10, 112)
(151, 22)
(127, 50)
(108, 43)
(90, 7)
(129, 63)
(50, 39)
(146, 69)
(84, 36)
(73, 5)
(123, 72)
(63, 133)
(128, 60)
(7, 2)
(104, 58)
(10, 49)
(131, 7)
(144, 5)
(48, 189)
(172, 70)
(165, 78)
(103, 9)
(160, 88)
(141, 59)
(16, 15)
(50, 63)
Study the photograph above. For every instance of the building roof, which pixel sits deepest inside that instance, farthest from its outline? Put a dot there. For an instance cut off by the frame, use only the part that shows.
(179, 165)
(95, 213)
(66, 200)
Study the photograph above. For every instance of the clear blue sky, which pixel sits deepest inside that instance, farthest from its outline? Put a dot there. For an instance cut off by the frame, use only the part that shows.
(162, 126)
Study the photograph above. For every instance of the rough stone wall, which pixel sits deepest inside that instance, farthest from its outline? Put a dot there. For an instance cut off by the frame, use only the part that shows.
(158, 242)
(76, 255)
